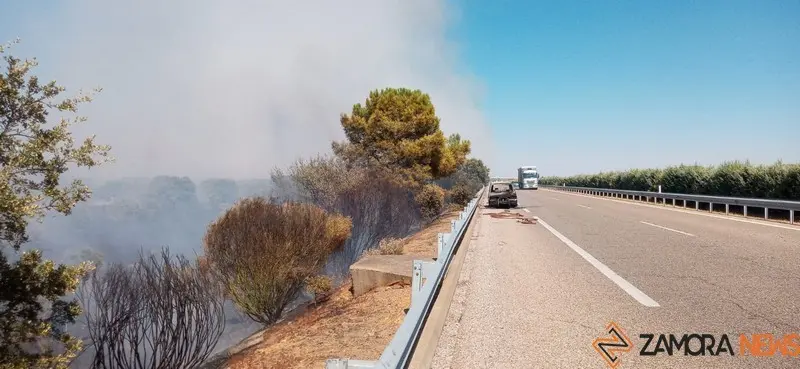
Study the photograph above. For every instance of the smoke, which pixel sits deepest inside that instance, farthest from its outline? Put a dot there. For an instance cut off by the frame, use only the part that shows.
(232, 89)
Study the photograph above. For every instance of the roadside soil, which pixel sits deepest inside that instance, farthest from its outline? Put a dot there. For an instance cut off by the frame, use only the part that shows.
(343, 326)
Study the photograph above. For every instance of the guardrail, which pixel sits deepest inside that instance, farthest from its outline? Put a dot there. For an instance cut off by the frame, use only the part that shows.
(399, 351)
(791, 206)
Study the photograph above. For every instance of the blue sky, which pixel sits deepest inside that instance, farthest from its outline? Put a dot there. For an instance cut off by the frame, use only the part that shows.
(585, 86)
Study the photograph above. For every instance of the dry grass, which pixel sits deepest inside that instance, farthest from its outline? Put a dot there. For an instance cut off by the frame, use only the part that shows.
(387, 246)
(343, 326)
(423, 243)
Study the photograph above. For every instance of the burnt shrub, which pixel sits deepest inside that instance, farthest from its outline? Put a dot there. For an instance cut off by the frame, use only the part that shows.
(159, 312)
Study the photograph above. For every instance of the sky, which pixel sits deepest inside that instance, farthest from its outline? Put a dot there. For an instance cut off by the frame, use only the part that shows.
(588, 86)
(233, 89)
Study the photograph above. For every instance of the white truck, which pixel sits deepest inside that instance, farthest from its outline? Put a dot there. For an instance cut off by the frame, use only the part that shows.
(528, 177)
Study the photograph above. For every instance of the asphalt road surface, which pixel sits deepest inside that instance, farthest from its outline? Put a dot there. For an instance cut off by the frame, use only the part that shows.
(538, 295)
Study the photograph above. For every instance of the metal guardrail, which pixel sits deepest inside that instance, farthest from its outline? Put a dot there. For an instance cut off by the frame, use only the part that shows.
(503, 179)
(398, 353)
(791, 206)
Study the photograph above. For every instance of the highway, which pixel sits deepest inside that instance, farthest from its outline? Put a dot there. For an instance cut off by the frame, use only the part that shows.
(538, 295)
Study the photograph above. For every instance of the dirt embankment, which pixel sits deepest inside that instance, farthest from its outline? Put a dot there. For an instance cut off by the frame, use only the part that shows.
(342, 326)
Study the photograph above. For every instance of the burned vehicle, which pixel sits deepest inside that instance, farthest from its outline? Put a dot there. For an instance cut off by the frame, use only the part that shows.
(502, 194)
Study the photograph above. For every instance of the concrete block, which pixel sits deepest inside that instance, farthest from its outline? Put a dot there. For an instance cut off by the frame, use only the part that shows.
(381, 270)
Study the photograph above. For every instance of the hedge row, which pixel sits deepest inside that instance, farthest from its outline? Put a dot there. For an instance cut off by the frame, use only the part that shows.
(776, 181)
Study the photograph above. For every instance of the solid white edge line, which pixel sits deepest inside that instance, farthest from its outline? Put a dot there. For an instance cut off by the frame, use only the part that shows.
(669, 229)
(681, 210)
(526, 210)
(626, 286)
(584, 206)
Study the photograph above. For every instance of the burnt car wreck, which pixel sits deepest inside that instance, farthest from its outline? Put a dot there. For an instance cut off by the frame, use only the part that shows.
(502, 195)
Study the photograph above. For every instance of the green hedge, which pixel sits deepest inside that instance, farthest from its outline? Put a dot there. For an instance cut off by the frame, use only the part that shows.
(776, 181)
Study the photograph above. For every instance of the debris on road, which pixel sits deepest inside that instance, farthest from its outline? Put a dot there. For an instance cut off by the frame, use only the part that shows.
(509, 215)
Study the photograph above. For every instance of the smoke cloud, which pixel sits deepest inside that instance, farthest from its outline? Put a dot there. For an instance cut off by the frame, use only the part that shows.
(233, 89)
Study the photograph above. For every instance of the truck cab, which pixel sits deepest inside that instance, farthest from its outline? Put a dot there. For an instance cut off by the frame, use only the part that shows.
(528, 178)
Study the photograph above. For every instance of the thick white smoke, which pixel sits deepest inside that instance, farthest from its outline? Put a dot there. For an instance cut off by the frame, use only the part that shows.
(232, 89)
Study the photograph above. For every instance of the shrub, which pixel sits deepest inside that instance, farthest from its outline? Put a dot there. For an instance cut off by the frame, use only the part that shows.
(378, 206)
(318, 285)
(265, 252)
(430, 200)
(322, 179)
(461, 194)
(387, 246)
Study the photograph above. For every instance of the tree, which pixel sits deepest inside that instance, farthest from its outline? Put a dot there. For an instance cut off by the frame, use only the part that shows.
(172, 192)
(264, 252)
(397, 130)
(473, 171)
(466, 181)
(220, 192)
(34, 153)
(458, 149)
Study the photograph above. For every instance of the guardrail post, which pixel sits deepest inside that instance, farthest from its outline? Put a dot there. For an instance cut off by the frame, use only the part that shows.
(727, 209)
(745, 210)
(791, 216)
(766, 213)
(710, 207)
(440, 248)
(422, 270)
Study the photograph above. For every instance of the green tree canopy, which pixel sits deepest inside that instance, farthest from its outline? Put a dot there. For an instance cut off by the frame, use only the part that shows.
(397, 130)
(34, 153)
(473, 171)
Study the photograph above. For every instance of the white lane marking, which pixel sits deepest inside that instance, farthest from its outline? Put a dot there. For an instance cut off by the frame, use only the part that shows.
(584, 206)
(626, 286)
(554, 198)
(669, 229)
(526, 210)
(693, 212)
